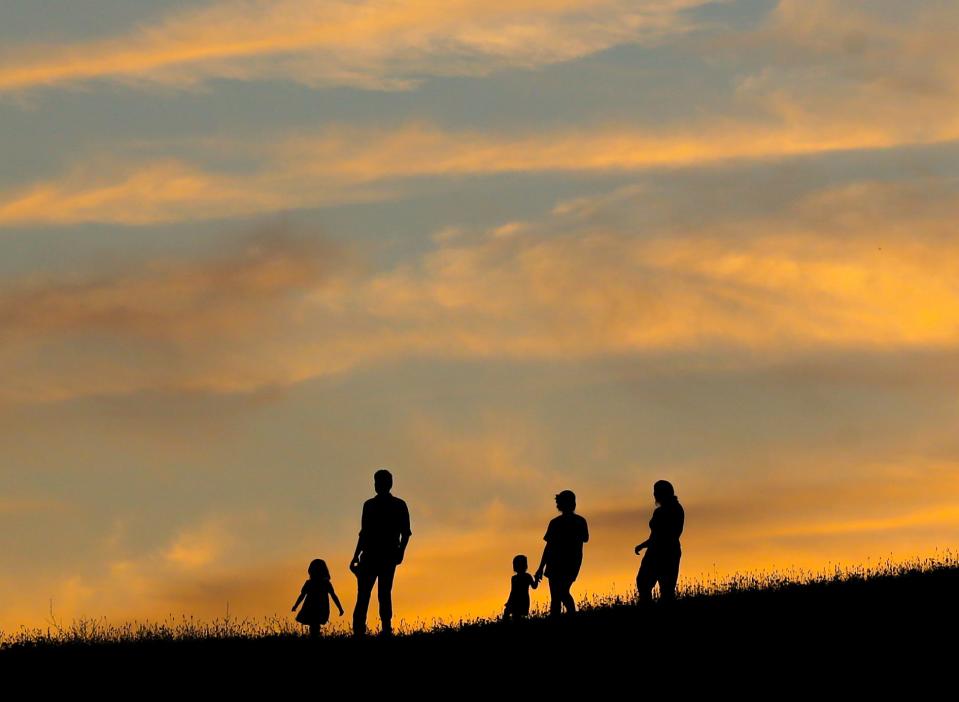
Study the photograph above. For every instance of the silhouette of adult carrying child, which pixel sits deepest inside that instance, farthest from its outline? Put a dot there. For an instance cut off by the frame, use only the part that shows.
(563, 553)
(384, 535)
(661, 562)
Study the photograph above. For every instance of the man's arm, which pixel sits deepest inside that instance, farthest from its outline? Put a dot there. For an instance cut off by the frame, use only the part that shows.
(404, 540)
(359, 540)
(359, 549)
(405, 533)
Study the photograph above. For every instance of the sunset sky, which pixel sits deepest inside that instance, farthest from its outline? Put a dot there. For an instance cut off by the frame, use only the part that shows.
(253, 250)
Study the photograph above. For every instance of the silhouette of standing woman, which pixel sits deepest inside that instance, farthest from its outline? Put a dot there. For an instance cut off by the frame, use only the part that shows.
(661, 562)
(563, 554)
(384, 535)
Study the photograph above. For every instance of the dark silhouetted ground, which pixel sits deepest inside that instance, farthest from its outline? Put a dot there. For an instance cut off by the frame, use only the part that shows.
(851, 634)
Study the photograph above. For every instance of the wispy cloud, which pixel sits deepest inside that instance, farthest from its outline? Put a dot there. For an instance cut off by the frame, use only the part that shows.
(812, 78)
(345, 165)
(378, 44)
(171, 190)
(175, 576)
(569, 287)
(198, 548)
(828, 61)
(155, 316)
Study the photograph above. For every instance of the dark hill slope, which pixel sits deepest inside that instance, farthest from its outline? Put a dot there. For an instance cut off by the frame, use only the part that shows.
(851, 633)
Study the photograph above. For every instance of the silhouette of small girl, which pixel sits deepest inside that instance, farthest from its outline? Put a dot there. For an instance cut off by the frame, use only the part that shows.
(517, 606)
(317, 591)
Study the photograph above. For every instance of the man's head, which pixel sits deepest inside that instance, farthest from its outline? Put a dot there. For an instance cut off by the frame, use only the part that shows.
(382, 481)
(566, 501)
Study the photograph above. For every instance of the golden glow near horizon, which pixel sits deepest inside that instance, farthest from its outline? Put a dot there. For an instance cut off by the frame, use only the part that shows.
(252, 251)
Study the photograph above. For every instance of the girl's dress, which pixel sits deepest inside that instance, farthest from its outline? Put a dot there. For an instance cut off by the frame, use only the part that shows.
(518, 603)
(315, 610)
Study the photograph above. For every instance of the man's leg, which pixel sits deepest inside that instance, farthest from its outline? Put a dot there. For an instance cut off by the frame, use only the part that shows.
(364, 586)
(384, 593)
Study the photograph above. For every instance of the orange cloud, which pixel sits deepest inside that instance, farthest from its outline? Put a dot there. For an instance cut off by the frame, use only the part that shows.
(152, 584)
(816, 77)
(379, 44)
(787, 283)
(827, 62)
(198, 548)
(417, 151)
(168, 190)
(345, 165)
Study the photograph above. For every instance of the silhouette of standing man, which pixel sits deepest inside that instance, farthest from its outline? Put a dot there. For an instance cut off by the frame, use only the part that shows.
(384, 535)
(661, 562)
(563, 553)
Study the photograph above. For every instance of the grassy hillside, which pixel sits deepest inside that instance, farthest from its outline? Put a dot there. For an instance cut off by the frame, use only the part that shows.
(858, 628)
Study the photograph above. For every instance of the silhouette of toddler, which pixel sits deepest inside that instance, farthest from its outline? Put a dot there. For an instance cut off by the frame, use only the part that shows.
(317, 592)
(517, 606)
